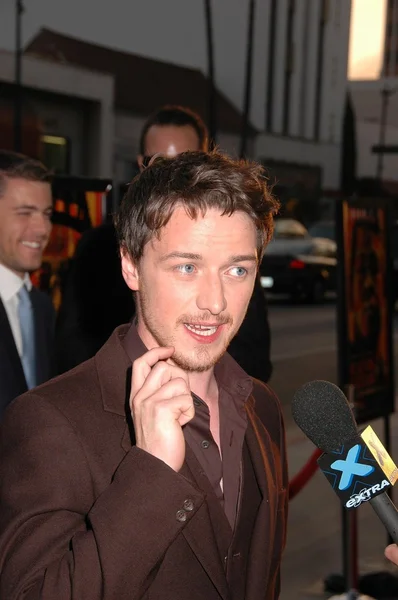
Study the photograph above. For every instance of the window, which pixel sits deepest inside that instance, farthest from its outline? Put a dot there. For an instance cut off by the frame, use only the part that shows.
(55, 153)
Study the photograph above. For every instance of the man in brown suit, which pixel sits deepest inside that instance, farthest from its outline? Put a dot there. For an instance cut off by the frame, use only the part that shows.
(157, 469)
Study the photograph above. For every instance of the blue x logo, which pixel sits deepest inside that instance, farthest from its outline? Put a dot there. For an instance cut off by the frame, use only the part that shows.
(350, 467)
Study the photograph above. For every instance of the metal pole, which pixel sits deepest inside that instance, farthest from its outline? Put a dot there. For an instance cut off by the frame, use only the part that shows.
(350, 534)
(387, 445)
(18, 78)
(392, 39)
(211, 107)
(385, 94)
(248, 81)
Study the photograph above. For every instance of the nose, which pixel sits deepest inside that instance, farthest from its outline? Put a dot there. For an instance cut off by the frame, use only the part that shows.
(41, 224)
(211, 296)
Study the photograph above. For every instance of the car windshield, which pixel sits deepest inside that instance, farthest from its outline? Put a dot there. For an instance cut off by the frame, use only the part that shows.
(324, 230)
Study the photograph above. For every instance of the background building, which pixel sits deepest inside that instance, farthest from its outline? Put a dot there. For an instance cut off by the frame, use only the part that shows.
(376, 110)
(87, 104)
(305, 84)
(368, 99)
(300, 53)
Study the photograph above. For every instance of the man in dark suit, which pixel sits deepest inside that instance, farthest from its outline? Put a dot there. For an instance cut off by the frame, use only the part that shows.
(26, 314)
(157, 469)
(87, 317)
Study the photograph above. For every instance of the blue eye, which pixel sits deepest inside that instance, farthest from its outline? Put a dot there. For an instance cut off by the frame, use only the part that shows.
(188, 269)
(239, 271)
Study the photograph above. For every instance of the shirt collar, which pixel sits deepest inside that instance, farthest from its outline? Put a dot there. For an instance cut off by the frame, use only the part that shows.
(231, 377)
(11, 283)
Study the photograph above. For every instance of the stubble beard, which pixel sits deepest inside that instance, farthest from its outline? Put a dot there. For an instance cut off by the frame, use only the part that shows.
(199, 360)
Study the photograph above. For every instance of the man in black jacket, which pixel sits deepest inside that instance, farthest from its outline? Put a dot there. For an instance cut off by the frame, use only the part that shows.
(97, 301)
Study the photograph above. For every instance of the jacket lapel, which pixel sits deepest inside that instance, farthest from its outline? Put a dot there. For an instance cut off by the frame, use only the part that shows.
(43, 351)
(210, 520)
(8, 342)
(260, 450)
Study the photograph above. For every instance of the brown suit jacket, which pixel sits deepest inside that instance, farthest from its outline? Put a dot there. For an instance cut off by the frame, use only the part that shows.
(86, 515)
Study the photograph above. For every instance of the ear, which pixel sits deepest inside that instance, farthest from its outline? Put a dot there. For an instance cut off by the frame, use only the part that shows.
(129, 270)
(140, 159)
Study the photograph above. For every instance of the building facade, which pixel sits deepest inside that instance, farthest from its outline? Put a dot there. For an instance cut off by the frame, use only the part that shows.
(305, 85)
(300, 52)
(84, 105)
(368, 98)
(376, 111)
(67, 115)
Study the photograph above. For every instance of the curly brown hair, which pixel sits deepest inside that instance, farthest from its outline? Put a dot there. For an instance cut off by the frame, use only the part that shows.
(197, 181)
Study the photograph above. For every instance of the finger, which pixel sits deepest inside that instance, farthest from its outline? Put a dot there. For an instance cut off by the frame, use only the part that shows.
(187, 410)
(142, 366)
(161, 373)
(391, 553)
(177, 408)
(161, 397)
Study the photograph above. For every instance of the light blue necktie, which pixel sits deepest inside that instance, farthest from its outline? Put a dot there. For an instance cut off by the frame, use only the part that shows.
(26, 323)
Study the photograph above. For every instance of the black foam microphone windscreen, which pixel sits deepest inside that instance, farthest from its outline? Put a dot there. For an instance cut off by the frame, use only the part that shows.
(322, 412)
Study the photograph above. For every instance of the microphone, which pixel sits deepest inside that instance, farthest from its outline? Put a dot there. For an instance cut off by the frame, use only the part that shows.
(356, 464)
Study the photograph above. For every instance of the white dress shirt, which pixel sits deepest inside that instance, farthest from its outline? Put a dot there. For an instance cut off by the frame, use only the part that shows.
(10, 285)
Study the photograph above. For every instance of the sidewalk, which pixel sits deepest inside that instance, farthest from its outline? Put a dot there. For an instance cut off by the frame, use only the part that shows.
(314, 533)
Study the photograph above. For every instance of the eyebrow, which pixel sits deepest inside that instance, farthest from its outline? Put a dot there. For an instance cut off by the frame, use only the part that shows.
(33, 207)
(191, 256)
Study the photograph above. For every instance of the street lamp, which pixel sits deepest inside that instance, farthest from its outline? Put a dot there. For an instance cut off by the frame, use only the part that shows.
(248, 81)
(211, 98)
(18, 77)
(386, 92)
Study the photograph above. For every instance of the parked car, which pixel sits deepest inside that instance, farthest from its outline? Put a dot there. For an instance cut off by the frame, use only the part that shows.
(299, 264)
(323, 229)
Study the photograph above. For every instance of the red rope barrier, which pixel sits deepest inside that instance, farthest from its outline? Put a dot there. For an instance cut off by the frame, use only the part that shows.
(304, 475)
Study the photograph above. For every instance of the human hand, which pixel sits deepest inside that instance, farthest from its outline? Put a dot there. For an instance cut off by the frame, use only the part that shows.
(160, 403)
(391, 552)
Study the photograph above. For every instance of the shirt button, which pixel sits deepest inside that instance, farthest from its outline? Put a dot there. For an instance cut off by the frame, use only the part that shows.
(188, 505)
(205, 444)
(196, 402)
(181, 516)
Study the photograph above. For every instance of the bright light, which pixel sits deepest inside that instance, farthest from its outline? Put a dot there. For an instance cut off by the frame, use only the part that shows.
(367, 32)
(53, 139)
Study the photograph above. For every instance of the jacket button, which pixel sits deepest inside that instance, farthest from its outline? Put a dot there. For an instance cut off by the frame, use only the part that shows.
(188, 505)
(205, 444)
(181, 516)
